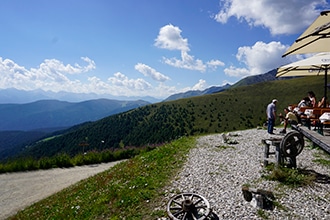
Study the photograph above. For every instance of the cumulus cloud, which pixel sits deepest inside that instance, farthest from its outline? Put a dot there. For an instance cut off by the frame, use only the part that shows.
(280, 17)
(170, 38)
(120, 84)
(213, 64)
(258, 59)
(50, 75)
(201, 85)
(53, 65)
(148, 71)
(121, 80)
(187, 62)
(53, 75)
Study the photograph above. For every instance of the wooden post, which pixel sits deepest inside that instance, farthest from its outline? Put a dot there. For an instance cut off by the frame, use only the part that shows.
(279, 159)
(266, 153)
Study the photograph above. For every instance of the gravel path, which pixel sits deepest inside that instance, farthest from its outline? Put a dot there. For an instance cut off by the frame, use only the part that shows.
(218, 173)
(19, 190)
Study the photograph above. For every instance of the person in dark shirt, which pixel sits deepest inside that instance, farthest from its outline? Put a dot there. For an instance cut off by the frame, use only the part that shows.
(271, 115)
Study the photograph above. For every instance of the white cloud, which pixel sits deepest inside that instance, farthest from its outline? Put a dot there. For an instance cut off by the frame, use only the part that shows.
(47, 76)
(237, 72)
(52, 75)
(280, 16)
(121, 80)
(170, 38)
(186, 62)
(213, 64)
(148, 71)
(163, 90)
(120, 85)
(201, 85)
(53, 65)
(258, 59)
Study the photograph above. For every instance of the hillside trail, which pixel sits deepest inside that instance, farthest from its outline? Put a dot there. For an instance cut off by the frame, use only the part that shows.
(19, 190)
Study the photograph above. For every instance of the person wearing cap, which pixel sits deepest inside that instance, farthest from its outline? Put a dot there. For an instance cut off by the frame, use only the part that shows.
(271, 115)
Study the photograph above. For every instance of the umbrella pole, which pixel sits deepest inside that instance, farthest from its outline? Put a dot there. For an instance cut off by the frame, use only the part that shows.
(325, 86)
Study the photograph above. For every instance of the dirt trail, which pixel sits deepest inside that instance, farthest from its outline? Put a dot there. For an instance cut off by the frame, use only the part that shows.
(19, 190)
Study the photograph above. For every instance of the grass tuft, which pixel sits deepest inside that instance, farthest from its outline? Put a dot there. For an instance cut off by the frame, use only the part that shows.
(290, 177)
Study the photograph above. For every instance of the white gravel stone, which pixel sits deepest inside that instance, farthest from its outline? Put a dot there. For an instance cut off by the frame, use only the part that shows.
(217, 171)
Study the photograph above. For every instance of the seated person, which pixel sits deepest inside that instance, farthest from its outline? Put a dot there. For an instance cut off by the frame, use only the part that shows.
(323, 101)
(312, 97)
(290, 118)
(305, 102)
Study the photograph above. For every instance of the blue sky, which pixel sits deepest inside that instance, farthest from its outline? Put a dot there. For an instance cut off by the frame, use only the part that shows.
(145, 47)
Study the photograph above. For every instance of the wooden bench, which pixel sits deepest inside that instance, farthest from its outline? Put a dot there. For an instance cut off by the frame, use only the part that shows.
(315, 137)
(324, 124)
(312, 118)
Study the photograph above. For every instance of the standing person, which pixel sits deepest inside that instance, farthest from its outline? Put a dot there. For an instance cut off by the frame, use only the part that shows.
(271, 115)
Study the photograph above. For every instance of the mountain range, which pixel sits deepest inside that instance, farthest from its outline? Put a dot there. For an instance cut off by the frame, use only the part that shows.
(26, 122)
(46, 114)
(12, 95)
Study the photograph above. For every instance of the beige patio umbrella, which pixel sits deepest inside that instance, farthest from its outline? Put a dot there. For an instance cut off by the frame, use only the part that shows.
(312, 66)
(315, 39)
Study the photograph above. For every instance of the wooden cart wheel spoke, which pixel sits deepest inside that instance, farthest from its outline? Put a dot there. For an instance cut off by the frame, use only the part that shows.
(178, 203)
(176, 208)
(198, 201)
(201, 207)
(178, 213)
(194, 217)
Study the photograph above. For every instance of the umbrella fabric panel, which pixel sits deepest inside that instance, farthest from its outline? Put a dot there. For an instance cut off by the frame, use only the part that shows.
(315, 39)
(312, 66)
(289, 72)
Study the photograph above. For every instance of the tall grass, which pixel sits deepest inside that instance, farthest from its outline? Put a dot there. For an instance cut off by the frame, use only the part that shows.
(130, 190)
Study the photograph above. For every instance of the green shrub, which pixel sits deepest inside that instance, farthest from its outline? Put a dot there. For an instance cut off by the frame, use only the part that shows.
(46, 163)
(63, 160)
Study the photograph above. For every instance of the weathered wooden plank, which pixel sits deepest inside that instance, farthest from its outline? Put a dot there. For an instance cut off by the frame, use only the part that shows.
(315, 137)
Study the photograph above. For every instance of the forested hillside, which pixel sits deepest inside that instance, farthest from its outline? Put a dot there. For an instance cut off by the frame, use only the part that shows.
(23, 124)
(235, 109)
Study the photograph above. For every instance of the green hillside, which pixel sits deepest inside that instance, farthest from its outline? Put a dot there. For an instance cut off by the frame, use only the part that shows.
(235, 109)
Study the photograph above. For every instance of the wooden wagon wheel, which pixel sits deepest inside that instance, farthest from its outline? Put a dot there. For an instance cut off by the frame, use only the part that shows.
(292, 144)
(188, 206)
